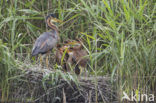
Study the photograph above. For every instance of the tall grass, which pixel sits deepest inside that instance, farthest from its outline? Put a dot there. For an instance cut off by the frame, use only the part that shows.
(7, 69)
(118, 35)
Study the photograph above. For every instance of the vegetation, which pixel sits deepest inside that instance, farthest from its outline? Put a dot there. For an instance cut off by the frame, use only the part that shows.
(118, 36)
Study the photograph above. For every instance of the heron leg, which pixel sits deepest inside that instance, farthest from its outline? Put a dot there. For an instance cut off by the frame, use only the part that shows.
(41, 60)
(69, 63)
(80, 70)
(47, 62)
(83, 71)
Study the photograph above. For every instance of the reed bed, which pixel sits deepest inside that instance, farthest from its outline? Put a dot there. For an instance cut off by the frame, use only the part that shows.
(119, 36)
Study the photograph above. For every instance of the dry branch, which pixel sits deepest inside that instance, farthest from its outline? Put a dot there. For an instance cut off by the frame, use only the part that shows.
(36, 86)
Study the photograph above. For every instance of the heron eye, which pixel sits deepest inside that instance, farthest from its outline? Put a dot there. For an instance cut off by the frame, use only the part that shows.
(70, 47)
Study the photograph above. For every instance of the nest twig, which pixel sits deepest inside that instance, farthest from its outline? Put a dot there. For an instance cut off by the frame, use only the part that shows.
(33, 87)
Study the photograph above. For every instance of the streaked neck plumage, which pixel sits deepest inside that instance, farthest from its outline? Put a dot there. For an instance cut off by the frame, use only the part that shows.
(51, 25)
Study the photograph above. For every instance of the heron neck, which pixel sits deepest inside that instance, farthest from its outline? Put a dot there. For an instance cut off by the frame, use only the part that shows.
(52, 26)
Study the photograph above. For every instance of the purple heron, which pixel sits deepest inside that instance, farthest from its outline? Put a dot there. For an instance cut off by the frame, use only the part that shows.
(47, 40)
(75, 55)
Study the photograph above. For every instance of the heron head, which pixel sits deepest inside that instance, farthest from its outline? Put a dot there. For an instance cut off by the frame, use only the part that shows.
(74, 44)
(52, 18)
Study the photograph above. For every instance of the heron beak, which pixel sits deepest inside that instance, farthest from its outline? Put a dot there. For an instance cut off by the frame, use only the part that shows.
(60, 21)
(55, 20)
(73, 43)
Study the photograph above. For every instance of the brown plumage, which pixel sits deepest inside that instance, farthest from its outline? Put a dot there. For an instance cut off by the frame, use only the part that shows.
(59, 53)
(75, 55)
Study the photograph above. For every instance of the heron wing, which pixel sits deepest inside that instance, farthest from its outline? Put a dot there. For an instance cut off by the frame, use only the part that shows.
(44, 43)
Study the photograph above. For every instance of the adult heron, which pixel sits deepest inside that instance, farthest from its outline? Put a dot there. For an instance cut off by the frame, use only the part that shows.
(48, 40)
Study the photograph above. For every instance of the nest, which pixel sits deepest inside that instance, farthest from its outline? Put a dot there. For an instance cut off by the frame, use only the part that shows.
(40, 86)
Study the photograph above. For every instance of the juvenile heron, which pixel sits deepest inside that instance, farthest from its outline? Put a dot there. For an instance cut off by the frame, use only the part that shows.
(48, 40)
(75, 55)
